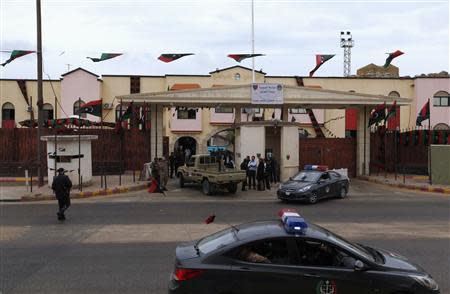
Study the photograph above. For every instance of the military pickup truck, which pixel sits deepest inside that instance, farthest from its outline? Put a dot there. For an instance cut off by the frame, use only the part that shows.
(210, 172)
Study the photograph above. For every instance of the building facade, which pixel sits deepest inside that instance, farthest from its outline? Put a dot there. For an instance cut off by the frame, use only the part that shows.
(200, 128)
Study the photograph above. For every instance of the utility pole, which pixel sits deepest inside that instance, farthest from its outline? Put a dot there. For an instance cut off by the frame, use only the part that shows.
(253, 42)
(347, 43)
(40, 99)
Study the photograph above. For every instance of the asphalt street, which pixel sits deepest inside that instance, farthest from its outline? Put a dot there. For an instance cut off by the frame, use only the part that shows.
(126, 243)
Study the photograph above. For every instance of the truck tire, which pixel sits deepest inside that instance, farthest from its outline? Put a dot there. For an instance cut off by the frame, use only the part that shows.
(181, 179)
(206, 187)
(232, 188)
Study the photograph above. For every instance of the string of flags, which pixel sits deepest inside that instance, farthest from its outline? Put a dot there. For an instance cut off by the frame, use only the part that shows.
(169, 57)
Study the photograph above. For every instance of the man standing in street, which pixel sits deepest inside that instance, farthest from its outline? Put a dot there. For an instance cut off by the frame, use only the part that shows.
(252, 165)
(244, 167)
(61, 187)
(172, 161)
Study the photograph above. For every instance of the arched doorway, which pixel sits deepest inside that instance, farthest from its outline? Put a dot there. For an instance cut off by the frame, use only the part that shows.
(8, 115)
(185, 147)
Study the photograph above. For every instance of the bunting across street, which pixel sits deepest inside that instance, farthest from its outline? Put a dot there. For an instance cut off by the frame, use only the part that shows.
(105, 56)
(240, 57)
(16, 54)
(391, 57)
(169, 57)
(320, 59)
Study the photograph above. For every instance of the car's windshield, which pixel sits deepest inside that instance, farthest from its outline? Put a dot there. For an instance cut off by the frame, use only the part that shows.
(217, 240)
(305, 176)
(354, 248)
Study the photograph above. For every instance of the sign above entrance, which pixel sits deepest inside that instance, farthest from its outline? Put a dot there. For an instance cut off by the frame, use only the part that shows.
(267, 93)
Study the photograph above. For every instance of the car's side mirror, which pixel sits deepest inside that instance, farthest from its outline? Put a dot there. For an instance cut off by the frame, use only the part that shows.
(359, 266)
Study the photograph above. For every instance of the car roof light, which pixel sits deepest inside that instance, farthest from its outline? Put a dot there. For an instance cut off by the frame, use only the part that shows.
(293, 223)
(315, 167)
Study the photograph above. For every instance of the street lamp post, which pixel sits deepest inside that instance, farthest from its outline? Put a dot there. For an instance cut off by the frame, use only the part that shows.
(347, 43)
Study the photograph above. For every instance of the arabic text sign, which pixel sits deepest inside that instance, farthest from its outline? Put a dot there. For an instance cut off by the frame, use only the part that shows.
(267, 93)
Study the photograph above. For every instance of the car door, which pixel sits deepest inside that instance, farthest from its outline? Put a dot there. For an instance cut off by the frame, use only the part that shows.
(277, 275)
(324, 186)
(328, 274)
(336, 183)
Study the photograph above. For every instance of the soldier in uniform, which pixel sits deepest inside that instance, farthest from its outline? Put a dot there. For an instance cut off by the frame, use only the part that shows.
(61, 187)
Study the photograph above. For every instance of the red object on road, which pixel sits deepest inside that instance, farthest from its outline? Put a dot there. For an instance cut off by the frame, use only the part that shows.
(210, 219)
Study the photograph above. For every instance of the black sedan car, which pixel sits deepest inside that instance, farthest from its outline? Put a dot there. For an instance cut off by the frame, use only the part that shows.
(288, 257)
(312, 185)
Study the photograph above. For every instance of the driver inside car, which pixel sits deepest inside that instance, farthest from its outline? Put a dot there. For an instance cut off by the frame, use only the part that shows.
(249, 255)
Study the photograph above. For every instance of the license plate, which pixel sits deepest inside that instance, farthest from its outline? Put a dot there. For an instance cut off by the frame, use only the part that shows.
(288, 193)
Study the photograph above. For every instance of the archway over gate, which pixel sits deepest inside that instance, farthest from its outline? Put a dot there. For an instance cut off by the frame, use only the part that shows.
(185, 142)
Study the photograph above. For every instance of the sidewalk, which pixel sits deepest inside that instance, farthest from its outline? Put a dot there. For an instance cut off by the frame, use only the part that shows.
(14, 189)
(411, 182)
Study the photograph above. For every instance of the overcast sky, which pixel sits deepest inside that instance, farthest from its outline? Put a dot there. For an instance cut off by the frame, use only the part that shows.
(289, 32)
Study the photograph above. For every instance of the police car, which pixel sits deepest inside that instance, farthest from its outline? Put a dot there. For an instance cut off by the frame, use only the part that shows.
(314, 182)
(291, 255)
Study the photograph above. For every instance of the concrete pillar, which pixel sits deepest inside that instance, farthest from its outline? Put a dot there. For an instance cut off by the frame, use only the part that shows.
(252, 140)
(363, 142)
(289, 156)
(237, 114)
(156, 131)
(285, 114)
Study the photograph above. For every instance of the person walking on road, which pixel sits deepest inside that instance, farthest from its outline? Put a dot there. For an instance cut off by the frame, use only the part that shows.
(61, 187)
(252, 165)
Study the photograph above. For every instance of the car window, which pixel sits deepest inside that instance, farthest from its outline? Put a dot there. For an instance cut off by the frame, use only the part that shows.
(321, 254)
(305, 176)
(217, 240)
(334, 175)
(270, 251)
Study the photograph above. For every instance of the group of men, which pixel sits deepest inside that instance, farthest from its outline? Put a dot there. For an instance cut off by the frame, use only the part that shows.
(264, 171)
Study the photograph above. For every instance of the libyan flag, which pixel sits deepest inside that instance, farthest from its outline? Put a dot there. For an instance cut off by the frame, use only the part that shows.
(105, 56)
(320, 59)
(424, 114)
(169, 57)
(377, 114)
(391, 57)
(127, 114)
(392, 111)
(16, 54)
(240, 57)
(92, 107)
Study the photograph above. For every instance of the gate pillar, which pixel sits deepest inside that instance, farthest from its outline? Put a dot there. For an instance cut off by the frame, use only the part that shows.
(289, 157)
(363, 142)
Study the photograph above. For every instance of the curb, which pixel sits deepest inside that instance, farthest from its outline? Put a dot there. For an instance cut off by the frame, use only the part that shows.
(422, 188)
(89, 194)
(17, 180)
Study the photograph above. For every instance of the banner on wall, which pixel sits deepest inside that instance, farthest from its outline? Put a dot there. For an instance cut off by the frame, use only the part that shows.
(267, 93)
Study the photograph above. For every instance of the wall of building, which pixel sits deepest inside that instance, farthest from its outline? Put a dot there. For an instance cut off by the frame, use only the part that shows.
(10, 92)
(426, 88)
(79, 84)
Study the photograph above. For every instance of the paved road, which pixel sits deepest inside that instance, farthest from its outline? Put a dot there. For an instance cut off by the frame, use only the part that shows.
(125, 244)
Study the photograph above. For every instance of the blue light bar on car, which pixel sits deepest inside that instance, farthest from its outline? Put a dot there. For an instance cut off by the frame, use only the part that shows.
(315, 167)
(292, 221)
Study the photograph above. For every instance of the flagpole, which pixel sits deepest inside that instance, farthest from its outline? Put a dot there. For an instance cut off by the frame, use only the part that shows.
(79, 144)
(40, 93)
(56, 137)
(120, 147)
(429, 137)
(253, 42)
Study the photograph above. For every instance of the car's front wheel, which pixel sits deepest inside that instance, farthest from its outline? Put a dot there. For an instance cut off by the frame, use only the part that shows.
(206, 187)
(313, 198)
(343, 193)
